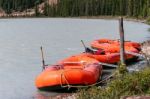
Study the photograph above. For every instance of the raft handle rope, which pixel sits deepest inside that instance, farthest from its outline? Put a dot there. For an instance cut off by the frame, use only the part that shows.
(63, 75)
(80, 86)
(61, 79)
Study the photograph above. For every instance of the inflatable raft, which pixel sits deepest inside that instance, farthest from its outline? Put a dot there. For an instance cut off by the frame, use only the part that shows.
(117, 42)
(113, 46)
(110, 58)
(75, 70)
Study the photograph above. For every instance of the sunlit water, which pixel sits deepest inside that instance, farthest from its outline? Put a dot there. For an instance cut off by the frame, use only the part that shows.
(20, 57)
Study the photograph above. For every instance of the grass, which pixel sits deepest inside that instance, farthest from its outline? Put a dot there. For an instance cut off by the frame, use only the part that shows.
(123, 83)
(137, 83)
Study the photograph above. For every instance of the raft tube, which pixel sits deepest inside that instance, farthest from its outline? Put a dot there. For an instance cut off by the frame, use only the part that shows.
(112, 47)
(117, 42)
(72, 71)
(110, 58)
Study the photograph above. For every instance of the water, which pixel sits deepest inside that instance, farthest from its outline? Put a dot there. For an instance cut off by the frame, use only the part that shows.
(21, 39)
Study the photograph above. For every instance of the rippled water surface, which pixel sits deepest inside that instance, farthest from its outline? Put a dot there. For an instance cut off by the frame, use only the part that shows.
(20, 41)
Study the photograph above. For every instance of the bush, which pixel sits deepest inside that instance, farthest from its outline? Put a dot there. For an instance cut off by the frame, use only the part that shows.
(137, 83)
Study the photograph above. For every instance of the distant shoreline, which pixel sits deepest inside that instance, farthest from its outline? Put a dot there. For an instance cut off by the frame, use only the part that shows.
(82, 17)
(115, 17)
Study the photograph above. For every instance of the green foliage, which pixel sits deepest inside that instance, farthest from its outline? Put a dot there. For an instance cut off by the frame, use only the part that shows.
(66, 8)
(133, 8)
(17, 5)
(137, 83)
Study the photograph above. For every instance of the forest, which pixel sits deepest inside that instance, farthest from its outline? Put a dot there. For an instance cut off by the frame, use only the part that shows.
(17, 5)
(135, 8)
(70, 8)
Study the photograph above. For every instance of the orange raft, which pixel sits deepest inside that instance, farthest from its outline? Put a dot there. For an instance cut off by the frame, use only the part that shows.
(75, 70)
(116, 42)
(110, 58)
(113, 46)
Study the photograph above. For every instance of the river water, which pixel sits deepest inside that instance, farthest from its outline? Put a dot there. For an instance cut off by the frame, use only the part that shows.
(21, 39)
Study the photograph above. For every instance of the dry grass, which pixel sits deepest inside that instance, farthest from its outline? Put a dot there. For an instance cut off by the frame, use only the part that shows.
(137, 83)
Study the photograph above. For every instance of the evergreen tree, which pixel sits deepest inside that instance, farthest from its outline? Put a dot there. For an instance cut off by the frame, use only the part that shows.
(133, 8)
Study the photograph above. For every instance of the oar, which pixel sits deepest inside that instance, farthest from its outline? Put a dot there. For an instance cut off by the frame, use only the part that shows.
(83, 45)
(43, 62)
(87, 50)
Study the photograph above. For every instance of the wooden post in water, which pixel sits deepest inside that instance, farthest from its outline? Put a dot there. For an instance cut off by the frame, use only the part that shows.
(122, 66)
(122, 53)
(43, 61)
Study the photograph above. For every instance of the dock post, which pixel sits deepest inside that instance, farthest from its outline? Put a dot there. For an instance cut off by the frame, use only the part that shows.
(43, 61)
(122, 53)
(122, 65)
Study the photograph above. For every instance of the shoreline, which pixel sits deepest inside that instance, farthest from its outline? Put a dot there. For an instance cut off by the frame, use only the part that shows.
(115, 17)
(145, 51)
(133, 19)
